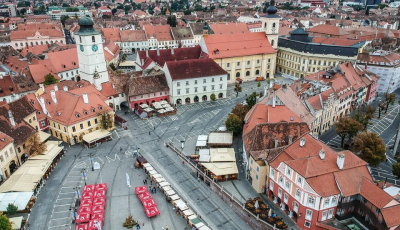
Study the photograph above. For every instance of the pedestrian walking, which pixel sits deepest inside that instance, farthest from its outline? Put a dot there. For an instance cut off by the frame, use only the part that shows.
(155, 190)
(166, 227)
(151, 182)
(137, 226)
(183, 162)
(120, 149)
(144, 182)
(149, 133)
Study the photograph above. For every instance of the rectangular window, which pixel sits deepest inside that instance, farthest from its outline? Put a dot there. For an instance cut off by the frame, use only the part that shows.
(272, 173)
(298, 193)
(281, 180)
(65, 129)
(220, 78)
(187, 82)
(227, 65)
(308, 214)
(330, 214)
(89, 123)
(95, 120)
(307, 224)
(179, 92)
(204, 88)
(299, 180)
(220, 86)
(195, 82)
(326, 204)
(333, 202)
(271, 185)
(73, 129)
(287, 185)
(248, 62)
(238, 64)
(212, 79)
(19, 149)
(285, 198)
(81, 125)
(311, 201)
(43, 123)
(195, 89)
(324, 215)
(289, 172)
(279, 192)
(258, 169)
(178, 84)
(204, 80)
(23, 146)
(1, 159)
(257, 177)
(212, 87)
(258, 61)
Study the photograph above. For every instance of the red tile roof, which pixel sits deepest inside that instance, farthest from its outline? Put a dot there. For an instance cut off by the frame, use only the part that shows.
(62, 61)
(5, 140)
(149, 84)
(39, 71)
(336, 41)
(349, 180)
(324, 185)
(107, 89)
(7, 86)
(315, 101)
(36, 50)
(236, 45)
(111, 34)
(163, 33)
(230, 28)
(392, 216)
(328, 30)
(374, 194)
(133, 36)
(194, 68)
(166, 55)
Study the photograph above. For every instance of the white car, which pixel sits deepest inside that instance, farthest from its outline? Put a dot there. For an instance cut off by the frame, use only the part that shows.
(222, 128)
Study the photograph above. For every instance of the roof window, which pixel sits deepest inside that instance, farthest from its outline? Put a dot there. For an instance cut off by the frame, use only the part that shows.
(100, 107)
(93, 110)
(85, 112)
(78, 115)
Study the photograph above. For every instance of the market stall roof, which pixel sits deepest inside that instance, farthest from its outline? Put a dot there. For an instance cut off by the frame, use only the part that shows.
(204, 228)
(152, 172)
(174, 197)
(192, 217)
(157, 176)
(204, 152)
(166, 188)
(96, 135)
(43, 136)
(202, 137)
(222, 155)
(181, 205)
(149, 168)
(16, 222)
(188, 212)
(170, 192)
(220, 138)
(146, 165)
(204, 158)
(201, 143)
(162, 184)
(19, 199)
(27, 176)
(220, 169)
(159, 180)
(141, 160)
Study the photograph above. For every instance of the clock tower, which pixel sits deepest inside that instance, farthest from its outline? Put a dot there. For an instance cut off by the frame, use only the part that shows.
(270, 24)
(92, 64)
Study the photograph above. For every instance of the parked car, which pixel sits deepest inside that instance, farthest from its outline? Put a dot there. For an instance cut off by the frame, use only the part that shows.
(259, 78)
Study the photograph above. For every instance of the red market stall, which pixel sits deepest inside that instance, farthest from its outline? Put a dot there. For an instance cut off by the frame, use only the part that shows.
(98, 216)
(148, 203)
(85, 209)
(100, 193)
(86, 202)
(101, 187)
(87, 195)
(83, 217)
(89, 188)
(98, 209)
(144, 196)
(99, 201)
(81, 227)
(153, 211)
(141, 189)
(92, 224)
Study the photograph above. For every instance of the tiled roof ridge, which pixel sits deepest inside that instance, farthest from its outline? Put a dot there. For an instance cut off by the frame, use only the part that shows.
(290, 145)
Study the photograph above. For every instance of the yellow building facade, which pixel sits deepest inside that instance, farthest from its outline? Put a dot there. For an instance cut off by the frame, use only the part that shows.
(258, 172)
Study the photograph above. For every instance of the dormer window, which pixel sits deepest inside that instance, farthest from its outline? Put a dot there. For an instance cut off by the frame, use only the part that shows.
(48, 102)
(93, 110)
(100, 107)
(85, 112)
(78, 115)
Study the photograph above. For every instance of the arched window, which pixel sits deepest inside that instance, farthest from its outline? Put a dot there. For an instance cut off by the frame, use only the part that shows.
(80, 39)
(37, 43)
(265, 25)
(16, 44)
(273, 25)
(257, 72)
(272, 42)
(61, 41)
(93, 39)
(41, 43)
(238, 74)
(229, 77)
(248, 73)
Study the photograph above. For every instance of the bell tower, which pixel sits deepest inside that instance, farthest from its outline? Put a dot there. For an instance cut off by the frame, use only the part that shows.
(92, 64)
(270, 24)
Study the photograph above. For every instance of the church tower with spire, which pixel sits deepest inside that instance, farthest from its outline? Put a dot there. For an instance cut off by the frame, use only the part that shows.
(270, 24)
(92, 63)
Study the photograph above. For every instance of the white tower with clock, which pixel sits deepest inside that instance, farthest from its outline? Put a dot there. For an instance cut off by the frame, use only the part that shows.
(270, 24)
(92, 64)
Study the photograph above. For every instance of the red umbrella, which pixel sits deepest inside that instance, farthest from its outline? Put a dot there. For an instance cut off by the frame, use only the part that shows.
(148, 203)
(87, 202)
(153, 211)
(85, 209)
(101, 193)
(98, 209)
(88, 188)
(100, 187)
(144, 196)
(92, 225)
(98, 216)
(83, 217)
(81, 227)
(141, 189)
(99, 200)
(87, 195)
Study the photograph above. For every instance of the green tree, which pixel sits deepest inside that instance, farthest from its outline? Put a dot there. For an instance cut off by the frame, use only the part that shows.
(396, 168)
(266, 5)
(151, 10)
(22, 11)
(390, 99)
(112, 66)
(127, 8)
(198, 8)
(258, 84)
(11, 209)
(171, 20)
(65, 5)
(234, 124)
(341, 128)
(72, 9)
(174, 6)
(240, 111)
(53, 4)
(113, 11)
(63, 19)
(370, 147)
(381, 107)
(21, 4)
(50, 79)
(381, 6)
(5, 223)
(123, 59)
(181, 7)
(106, 120)
(187, 12)
(27, 3)
(251, 100)
(237, 89)
(120, 7)
(213, 97)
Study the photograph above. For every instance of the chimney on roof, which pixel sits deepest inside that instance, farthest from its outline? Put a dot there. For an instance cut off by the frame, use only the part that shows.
(43, 88)
(158, 52)
(172, 51)
(273, 101)
(340, 160)
(290, 139)
(147, 53)
(10, 115)
(142, 62)
(284, 88)
(65, 88)
(85, 98)
(55, 88)
(53, 96)
(276, 142)
(322, 154)
(302, 141)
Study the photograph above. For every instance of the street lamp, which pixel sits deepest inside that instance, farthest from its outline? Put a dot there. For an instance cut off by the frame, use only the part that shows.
(83, 171)
(91, 160)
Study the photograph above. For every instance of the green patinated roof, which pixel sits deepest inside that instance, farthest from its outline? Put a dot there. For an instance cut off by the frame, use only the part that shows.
(86, 27)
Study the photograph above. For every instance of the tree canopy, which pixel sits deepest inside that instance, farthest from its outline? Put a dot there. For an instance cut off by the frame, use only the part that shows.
(5, 223)
(251, 100)
(50, 79)
(370, 147)
(347, 127)
(171, 20)
(240, 110)
(234, 124)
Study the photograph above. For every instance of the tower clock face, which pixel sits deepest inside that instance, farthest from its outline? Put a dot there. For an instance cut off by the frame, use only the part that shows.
(81, 47)
(95, 48)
